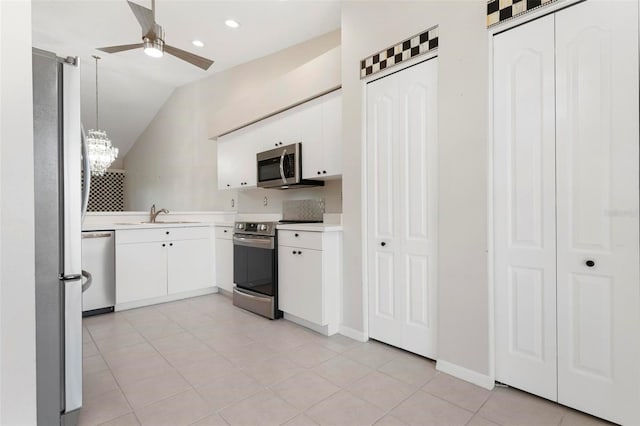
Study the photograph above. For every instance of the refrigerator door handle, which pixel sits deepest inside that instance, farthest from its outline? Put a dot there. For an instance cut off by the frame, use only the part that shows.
(86, 167)
(87, 283)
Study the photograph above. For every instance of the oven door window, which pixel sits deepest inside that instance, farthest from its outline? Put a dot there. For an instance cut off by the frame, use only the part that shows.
(254, 269)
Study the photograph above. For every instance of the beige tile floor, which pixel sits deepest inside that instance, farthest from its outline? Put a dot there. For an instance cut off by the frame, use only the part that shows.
(203, 361)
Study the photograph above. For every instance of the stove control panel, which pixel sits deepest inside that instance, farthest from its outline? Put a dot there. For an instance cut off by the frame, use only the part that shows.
(257, 228)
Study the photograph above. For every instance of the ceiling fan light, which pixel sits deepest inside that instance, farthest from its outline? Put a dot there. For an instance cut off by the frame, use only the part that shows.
(153, 48)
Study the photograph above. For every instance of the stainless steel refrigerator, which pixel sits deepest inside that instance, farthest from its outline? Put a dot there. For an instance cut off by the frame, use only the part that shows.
(59, 200)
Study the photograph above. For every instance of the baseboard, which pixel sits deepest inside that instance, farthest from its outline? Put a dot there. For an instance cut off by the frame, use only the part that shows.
(465, 374)
(325, 330)
(164, 299)
(353, 334)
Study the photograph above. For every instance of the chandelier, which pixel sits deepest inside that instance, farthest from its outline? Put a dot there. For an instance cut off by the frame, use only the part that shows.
(99, 149)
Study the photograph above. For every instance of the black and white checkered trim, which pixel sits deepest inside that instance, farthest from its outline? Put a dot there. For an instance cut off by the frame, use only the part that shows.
(501, 10)
(107, 192)
(414, 46)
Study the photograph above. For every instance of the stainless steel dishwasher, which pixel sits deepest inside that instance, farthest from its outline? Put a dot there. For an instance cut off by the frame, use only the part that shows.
(98, 257)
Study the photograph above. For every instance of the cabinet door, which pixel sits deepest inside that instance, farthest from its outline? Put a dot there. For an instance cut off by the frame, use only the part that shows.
(524, 206)
(224, 264)
(300, 283)
(306, 127)
(141, 271)
(332, 134)
(597, 209)
(188, 265)
(237, 158)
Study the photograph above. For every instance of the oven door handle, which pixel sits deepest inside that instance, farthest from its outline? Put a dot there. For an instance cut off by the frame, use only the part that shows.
(284, 178)
(266, 243)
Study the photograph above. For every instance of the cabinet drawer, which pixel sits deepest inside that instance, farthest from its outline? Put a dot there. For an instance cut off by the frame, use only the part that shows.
(303, 239)
(224, 232)
(129, 236)
(193, 233)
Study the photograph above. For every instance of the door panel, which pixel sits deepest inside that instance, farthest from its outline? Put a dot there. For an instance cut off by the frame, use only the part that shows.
(382, 127)
(524, 206)
(402, 221)
(526, 322)
(418, 204)
(597, 206)
(385, 286)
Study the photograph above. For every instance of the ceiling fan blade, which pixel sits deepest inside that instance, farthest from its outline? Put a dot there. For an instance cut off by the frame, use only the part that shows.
(144, 17)
(123, 47)
(193, 59)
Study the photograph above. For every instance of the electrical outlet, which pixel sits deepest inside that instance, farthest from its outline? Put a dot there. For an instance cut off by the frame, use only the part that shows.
(265, 202)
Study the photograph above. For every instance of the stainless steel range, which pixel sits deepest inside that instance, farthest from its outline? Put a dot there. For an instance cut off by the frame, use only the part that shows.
(255, 268)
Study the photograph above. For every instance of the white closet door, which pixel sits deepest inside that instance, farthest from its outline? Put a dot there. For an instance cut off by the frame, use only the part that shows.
(417, 206)
(524, 208)
(402, 176)
(385, 321)
(597, 181)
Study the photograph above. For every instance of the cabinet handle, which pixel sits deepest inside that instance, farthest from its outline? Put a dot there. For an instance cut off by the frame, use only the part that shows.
(228, 185)
(164, 245)
(167, 232)
(383, 244)
(296, 235)
(590, 263)
(318, 171)
(294, 252)
(324, 172)
(225, 231)
(170, 244)
(299, 252)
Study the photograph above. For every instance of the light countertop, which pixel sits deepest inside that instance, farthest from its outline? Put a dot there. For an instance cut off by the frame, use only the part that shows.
(132, 225)
(313, 227)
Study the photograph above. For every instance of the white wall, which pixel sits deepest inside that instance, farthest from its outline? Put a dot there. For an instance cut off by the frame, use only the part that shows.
(368, 27)
(173, 163)
(17, 279)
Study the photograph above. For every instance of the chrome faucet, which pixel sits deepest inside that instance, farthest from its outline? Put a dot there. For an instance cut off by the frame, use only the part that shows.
(153, 213)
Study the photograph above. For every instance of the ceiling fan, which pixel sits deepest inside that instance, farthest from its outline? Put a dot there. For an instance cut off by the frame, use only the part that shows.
(153, 39)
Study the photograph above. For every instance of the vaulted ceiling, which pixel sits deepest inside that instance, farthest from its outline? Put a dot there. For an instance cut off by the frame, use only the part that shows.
(133, 86)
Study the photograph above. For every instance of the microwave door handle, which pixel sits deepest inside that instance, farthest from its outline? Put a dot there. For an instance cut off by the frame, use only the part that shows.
(284, 178)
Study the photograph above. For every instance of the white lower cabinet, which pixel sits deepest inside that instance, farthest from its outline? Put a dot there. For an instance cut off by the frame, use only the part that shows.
(300, 283)
(141, 271)
(309, 277)
(188, 265)
(152, 264)
(224, 257)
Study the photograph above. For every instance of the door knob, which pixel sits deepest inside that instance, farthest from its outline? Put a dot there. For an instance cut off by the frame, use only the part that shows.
(590, 263)
(383, 244)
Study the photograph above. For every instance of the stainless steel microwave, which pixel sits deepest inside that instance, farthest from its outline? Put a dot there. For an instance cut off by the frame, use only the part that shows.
(282, 168)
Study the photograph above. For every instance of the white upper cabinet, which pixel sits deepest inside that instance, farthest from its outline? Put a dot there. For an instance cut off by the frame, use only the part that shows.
(237, 159)
(322, 156)
(316, 124)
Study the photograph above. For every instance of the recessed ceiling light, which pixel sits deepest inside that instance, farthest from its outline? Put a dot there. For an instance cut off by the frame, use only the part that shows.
(231, 23)
(197, 43)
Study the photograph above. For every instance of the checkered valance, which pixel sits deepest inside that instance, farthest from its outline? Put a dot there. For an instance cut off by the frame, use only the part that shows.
(414, 46)
(107, 192)
(502, 10)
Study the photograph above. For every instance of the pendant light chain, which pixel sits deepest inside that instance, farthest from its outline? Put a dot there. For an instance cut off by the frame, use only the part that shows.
(97, 121)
